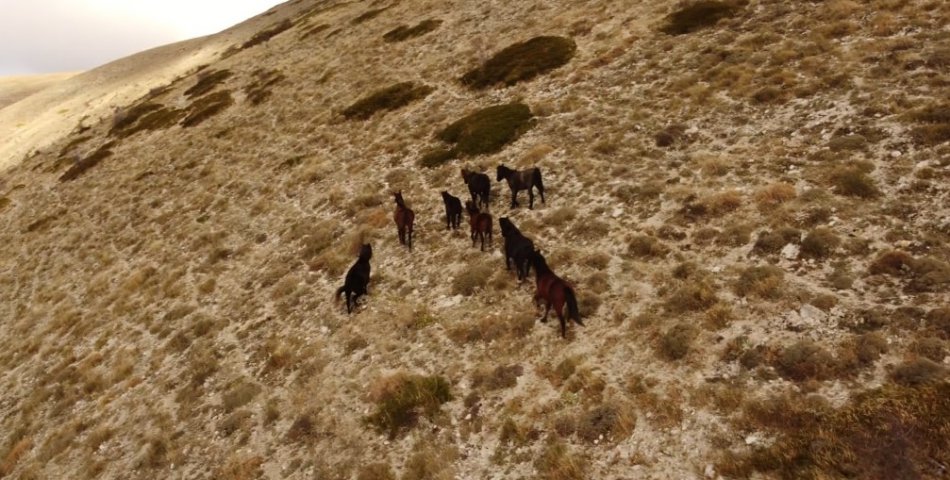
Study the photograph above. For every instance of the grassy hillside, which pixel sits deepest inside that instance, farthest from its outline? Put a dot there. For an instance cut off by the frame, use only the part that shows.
(750, 197)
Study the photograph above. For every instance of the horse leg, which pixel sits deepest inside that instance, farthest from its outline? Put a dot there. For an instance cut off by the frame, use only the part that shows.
(514, 198)
(410, 238)
(560, 317)
(530, 198)
(348, 301)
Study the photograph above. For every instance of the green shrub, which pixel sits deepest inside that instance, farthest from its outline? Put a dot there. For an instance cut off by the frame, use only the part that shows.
(820, 243)
(522, 61)
(697, 16)
(436, 157)
(405, 32)
(488, 130)
(403, 398)
(389, 98)
(207, 107)
(207, 81)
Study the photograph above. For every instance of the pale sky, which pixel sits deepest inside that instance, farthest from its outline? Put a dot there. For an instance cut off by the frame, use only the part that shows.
(46, 36)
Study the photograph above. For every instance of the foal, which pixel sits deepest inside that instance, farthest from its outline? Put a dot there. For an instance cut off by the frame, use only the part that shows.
(519, 180)
(404, 217)
(479, 186)
(518, 248)
(357, 278)
(554, 291)
(480, 222)
(453, 211)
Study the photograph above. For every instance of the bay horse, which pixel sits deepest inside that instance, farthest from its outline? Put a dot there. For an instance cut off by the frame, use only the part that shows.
(479, 186)
(404, 216)
(357, 278)
(519, 180)
(555, 292)
(518, 248)
(453, 211)
(480, 223)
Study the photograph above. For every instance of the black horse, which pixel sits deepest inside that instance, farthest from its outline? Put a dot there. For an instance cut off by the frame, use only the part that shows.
(519, 180)
(453, 211)
(479, 185)
(518, 248)
(357, 278)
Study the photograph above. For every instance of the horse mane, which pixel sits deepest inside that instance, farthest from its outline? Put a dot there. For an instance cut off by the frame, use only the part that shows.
(503, 171)
(399, 201)
(539, 263)
(366, 252)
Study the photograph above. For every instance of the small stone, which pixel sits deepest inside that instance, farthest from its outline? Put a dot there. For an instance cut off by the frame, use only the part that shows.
(896, 153)
(710, 471)
(790, 251)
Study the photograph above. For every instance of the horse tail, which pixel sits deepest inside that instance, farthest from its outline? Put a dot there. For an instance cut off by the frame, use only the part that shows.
(339, 291)
(536, 178)
(572, 310)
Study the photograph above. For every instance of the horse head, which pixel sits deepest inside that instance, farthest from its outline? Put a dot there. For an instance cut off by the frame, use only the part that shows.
(471, 208)
(366, 252)
(506, 226)
(501, 172)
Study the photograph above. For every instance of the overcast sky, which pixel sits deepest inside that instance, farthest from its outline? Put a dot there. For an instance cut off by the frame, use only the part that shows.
(45, 36)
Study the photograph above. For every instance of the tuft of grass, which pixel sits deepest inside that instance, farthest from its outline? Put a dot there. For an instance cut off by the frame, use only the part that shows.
(772, 241)
(557, 462)
(405, 32)
(847, 142)
(239, 395)
(207, 107)
(521, 61)
(402, 398)
(607, 422)
(938, 320)
(761, 281)
(892, 262)
(389, 98)
(805, 360)
(160, 119)
(647, 246)
(260, 89)
(207, 81)
(853, 182)
(503, 376)
(376, 471)
(820, 243)
(935, 128)
(488, 130)
(436, 157)
(84, 164)
(926, 274)
(917, 372)
(696, 16)
(125, 118)
(888, 432)
(775, 194)
(472, 279)
(676, 342)
(694, 295)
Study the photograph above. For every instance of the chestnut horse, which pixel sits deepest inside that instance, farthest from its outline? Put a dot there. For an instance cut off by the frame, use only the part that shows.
(357, 278)
(480, 222)
(404, 217)
(555, 292)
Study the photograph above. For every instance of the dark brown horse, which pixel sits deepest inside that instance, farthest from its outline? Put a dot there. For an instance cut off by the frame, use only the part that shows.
(480, 222)
(404, 217)
(453, 211)
(555, 292)
(479, 186)
(518, 248)
(519, 180)
(357, 278)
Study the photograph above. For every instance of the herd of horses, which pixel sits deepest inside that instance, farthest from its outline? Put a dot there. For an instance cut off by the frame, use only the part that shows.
(519, 250)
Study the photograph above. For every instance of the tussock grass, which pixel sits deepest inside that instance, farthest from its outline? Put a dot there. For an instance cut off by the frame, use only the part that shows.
(390, 98)
(471, 279)
(376, 471)
(924, 274)
(501, 377)
(694, 295)
(402, 398)
(606, 423)
(647, 246)
(405, 32)
(84, 165)
(886, 432)
(487, 130)
(676, 342)
(557, 462)
(760, 281)
(806, 360)
(820, 243)
(698, 15)
(920, 371)
(853, 182)
(770, 242)
(124, 119)
(521, 62)
(260, 89)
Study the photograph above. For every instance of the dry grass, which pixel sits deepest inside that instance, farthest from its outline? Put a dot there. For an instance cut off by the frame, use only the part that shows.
(697, 15)
(853, 182)
(761, 281)
(773, 195)
(677, 341)
(402, 398)
(207, 107)
(208, 80)
(820, 243)
(557, 462)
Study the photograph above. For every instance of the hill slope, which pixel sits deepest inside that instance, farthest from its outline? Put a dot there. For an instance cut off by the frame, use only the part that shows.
(752, 203)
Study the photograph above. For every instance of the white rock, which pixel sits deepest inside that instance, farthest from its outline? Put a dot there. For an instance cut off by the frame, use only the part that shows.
(709, 472)
(896, 153)
(790, 251)
(811, 314)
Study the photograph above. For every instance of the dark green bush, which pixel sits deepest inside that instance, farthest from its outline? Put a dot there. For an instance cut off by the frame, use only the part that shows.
(389, 98)
(437, 156)
(124, 119)
(207, 81)
(265, 35)
(405, 32)
(83, 165)
(522, 61)
(368, 15)
(488, 130)
(697, 16)
(207, 107)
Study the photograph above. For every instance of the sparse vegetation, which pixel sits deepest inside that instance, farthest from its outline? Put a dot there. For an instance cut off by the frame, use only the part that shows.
(208, 80)
(207, 107)
(676, 342)
(390, 98)
(402, 398)
(267, 34)
(853, 182)
(521, 62)
(698, 15)
(472, 279)
(557, 462)
(368, 15)
(84, 164)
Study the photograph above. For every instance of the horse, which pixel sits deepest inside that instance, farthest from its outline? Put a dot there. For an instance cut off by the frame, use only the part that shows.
(555, 292)
(479, 186)
(518, 248)
(519, 180)
(404, 216)
(480, 223)
(357, 278)
(453, 211)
